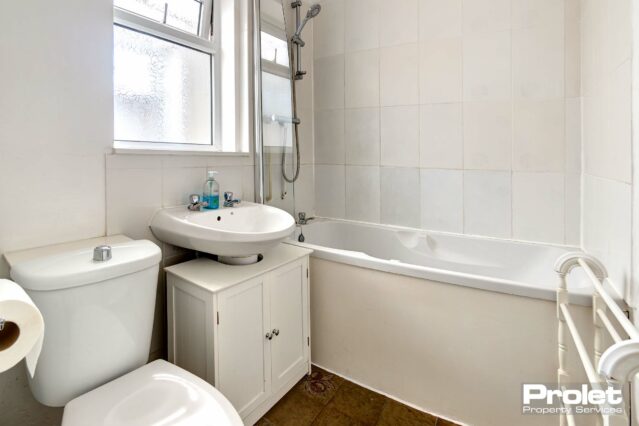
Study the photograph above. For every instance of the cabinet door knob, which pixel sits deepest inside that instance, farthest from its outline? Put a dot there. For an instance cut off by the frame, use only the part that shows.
(276, 332)
(269, 336)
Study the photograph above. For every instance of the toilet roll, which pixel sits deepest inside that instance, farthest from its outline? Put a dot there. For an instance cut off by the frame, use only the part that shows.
(23, 331)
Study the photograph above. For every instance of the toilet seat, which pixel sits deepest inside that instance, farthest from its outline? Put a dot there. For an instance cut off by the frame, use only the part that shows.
(158, 394)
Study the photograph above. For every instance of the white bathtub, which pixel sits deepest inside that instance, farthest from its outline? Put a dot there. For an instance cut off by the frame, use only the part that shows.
(518, 268)
(449, 324)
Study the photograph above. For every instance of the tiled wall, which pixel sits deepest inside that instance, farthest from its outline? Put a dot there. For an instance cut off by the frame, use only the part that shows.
(607, 137)
(460, 116)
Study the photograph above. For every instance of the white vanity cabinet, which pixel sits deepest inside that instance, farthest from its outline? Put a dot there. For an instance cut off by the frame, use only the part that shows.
(244, 329)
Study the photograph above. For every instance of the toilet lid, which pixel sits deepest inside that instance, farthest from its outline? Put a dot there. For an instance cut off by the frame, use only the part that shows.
(157, 394)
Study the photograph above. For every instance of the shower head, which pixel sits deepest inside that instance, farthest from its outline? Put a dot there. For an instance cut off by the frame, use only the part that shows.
(313, 11)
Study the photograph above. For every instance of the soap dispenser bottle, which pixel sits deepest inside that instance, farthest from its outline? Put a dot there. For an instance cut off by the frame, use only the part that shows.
(211, 194)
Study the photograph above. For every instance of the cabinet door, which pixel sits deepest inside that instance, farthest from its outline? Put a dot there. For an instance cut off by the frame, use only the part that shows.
(243, 375)
(287, 296)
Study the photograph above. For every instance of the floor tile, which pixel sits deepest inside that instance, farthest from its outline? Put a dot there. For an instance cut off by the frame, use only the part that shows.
(320, 385)
(333, 417)
(295, 409)
(443, 422)
(397, 414)
(358, 403)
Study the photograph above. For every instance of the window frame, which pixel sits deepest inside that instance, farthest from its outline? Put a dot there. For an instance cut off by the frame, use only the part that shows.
(207, 41)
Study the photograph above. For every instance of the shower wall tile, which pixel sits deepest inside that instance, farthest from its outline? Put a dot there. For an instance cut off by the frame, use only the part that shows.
(328, 32)
(487, 67)
(400, 22)
(486, 16)
(440, 70)
(362, 79)
(460, 106)
(330, 188)
(441, 136)
(487, 203)
(362, 23)
(399, 75)
(329, 82)
(305, 191)
(399, 193)
(442, 200)
(362, 136)
(305, 130)
(487, 135)
(543, 77)
(440, 19)
(400, 136)
(329, 136)
(539, 136)
(363, 193)
(538, 13)
(538, 206)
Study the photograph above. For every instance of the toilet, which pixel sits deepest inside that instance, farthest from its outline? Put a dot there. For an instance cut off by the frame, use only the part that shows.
(98, 307)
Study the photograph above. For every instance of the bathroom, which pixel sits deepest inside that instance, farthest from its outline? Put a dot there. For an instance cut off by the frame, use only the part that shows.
(454, 181)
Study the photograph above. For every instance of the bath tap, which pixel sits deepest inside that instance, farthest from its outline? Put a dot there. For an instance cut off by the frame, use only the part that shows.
(229, 201)
(196, 203)
(303, 220)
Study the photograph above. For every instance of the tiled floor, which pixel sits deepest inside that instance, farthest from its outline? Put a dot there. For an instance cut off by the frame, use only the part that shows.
(326, 399)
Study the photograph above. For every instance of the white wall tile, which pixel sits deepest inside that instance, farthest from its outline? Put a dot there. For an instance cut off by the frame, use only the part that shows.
(362, 79)
(537, 13)
(487, 135)
(399, 22)
(542, 77)
(362, 24)
(329, 82)
(441, 136)
(487, 203)
(572, 122)
(440, 70)
(179, 183)
(573, 209)
(572, 53)
(487, 67)
(328, 29)
(440, 19)
(399, 193)
(486, 16)
(305, 191)
(608, 226)
(305, 131)
(329, 136)
(363, 193)
(330, 189)
(538, 207)
(442, 198)
(362, 136)
(231, 179)
(538, 144)
(399, 75)
(132, 195)
(400, 136)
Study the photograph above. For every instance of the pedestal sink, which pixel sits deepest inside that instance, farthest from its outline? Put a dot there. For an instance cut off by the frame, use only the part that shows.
(237, 235)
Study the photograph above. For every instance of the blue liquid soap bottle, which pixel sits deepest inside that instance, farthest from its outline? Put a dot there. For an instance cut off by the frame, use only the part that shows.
(211, 194)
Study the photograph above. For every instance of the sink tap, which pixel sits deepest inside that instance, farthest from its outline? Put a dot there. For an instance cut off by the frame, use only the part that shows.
(229, 201)
(303, 220)
(196, 203)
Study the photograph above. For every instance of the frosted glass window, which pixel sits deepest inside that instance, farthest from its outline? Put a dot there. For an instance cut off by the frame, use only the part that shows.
(274, 49)
(182, 14)
(162, 90)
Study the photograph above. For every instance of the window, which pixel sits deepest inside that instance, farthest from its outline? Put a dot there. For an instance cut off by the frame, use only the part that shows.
(164, 68)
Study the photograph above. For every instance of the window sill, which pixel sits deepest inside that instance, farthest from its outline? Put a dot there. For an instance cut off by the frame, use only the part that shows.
(172, 149)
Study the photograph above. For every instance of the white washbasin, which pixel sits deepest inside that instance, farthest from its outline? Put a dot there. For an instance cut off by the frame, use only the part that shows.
(245, 230)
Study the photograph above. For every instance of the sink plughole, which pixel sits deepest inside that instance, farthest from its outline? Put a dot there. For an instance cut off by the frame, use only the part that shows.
(246, 230)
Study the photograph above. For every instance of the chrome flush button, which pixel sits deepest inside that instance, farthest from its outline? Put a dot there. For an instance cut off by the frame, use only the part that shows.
(102, 253)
